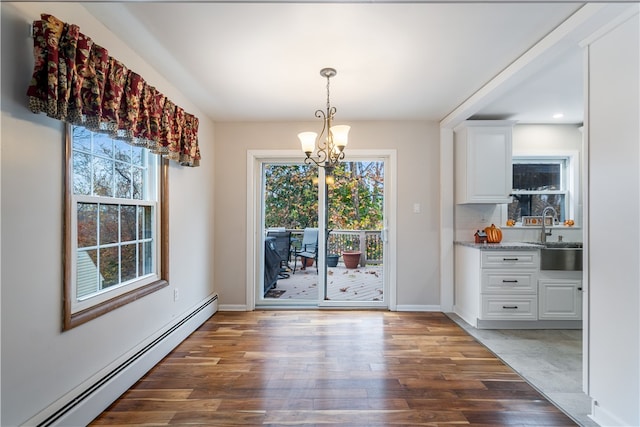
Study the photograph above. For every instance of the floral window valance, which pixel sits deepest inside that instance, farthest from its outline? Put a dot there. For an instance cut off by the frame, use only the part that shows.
(76, 81)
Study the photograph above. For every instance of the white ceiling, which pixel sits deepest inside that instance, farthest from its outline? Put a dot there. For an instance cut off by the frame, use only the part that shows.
(400, 61)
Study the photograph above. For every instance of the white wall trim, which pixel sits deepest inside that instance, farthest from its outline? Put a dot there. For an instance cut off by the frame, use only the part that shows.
(611, 25)
(586, 294)
(447, 224)
(81, 405)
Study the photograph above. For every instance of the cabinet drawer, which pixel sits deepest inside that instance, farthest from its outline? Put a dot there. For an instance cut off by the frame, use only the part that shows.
(509, 307)
(509, 282)
(512, 259)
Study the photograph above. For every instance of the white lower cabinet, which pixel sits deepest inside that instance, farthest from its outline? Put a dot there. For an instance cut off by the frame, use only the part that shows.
(497, 288)
(496, 284)
(560, 299)
(508, 285)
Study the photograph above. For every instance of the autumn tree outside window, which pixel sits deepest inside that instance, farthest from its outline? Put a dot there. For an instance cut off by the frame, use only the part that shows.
(114, 223)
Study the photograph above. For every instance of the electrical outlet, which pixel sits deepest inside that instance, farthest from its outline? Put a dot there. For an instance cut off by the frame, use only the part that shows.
(176, 294)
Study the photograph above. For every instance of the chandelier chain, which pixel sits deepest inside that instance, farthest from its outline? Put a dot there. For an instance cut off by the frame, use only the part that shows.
(328, 102)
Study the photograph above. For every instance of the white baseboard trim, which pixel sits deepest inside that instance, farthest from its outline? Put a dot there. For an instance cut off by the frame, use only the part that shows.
(409, 307)
(87, 401)
(605, 418)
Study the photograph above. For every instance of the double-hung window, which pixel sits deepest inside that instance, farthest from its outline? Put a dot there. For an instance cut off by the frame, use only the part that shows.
(539, 182)
(114, 207)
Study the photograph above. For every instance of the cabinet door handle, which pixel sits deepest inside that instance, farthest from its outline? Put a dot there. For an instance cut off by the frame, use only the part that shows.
(579, 289)
(510, 307)
(510, 259)
(509, 281)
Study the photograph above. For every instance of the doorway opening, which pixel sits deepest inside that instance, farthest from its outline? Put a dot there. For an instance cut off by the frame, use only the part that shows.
(322, 238)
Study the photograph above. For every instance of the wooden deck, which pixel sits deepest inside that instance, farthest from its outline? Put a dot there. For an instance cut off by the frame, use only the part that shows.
(359, 284)
(332, 368)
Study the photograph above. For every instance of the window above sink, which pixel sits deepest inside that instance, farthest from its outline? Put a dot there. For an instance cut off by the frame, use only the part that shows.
(541, 180)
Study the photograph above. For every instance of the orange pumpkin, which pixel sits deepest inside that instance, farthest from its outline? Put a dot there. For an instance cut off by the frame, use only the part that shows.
(494, 234)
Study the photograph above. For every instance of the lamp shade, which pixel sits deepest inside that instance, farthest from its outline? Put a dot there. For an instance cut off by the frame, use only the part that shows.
(340, 134)
(308, 141)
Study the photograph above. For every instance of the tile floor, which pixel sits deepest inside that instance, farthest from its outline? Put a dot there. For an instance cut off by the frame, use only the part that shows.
(550, 360)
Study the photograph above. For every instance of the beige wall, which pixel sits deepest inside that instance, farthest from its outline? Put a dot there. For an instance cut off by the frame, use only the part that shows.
(40, 363)
(418, 277)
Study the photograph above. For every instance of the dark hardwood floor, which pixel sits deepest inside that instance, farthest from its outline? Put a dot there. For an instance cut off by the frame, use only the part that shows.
(341, 368)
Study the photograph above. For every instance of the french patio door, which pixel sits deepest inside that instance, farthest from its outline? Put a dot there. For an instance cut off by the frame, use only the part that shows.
(349, 211)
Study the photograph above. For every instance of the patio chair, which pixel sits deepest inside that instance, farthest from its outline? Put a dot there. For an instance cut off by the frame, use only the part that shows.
(308, 248)
(282, 242)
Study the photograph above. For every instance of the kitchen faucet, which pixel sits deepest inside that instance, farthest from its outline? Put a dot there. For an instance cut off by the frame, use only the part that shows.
(544, 233)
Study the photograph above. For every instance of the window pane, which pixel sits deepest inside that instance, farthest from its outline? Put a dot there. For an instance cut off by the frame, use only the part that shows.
(145, 258)
(102, 177)
(537, 176)
(102, 145)
(122, 151)
(87, 224)
(81, 173)
(86, 273)
(81, 138)
(288, 196)
(128, 262)
(533, 204)
(109, 266)
(138, 188)
(123, 180)
(137, 154)
(108, 224)
(145, 222)
(127, 223)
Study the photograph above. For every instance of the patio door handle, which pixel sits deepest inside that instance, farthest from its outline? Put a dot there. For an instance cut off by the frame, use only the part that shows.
(384, 235)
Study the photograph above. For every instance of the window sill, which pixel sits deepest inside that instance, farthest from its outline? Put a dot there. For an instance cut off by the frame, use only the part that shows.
(77, 319)
(538, 227)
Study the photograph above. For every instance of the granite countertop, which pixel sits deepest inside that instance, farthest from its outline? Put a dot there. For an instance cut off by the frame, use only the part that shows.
(509, 246)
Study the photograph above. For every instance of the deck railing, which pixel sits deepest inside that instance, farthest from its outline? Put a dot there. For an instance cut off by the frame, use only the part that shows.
(369, 242)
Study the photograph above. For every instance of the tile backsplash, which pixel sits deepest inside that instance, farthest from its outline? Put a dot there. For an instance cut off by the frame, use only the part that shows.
(470, 218)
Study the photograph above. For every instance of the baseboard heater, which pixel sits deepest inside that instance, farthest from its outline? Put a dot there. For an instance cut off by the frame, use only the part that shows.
(70, 406)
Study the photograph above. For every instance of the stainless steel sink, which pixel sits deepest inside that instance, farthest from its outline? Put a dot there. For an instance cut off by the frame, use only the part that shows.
(561, 256)
(562, 245)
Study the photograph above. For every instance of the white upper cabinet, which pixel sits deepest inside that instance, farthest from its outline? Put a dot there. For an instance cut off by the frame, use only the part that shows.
(483, 152)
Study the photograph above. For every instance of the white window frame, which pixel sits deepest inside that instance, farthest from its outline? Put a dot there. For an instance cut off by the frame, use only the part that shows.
(571, 174)
(80, 310)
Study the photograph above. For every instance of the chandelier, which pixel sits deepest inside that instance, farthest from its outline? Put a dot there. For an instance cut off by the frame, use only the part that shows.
(328, 153)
